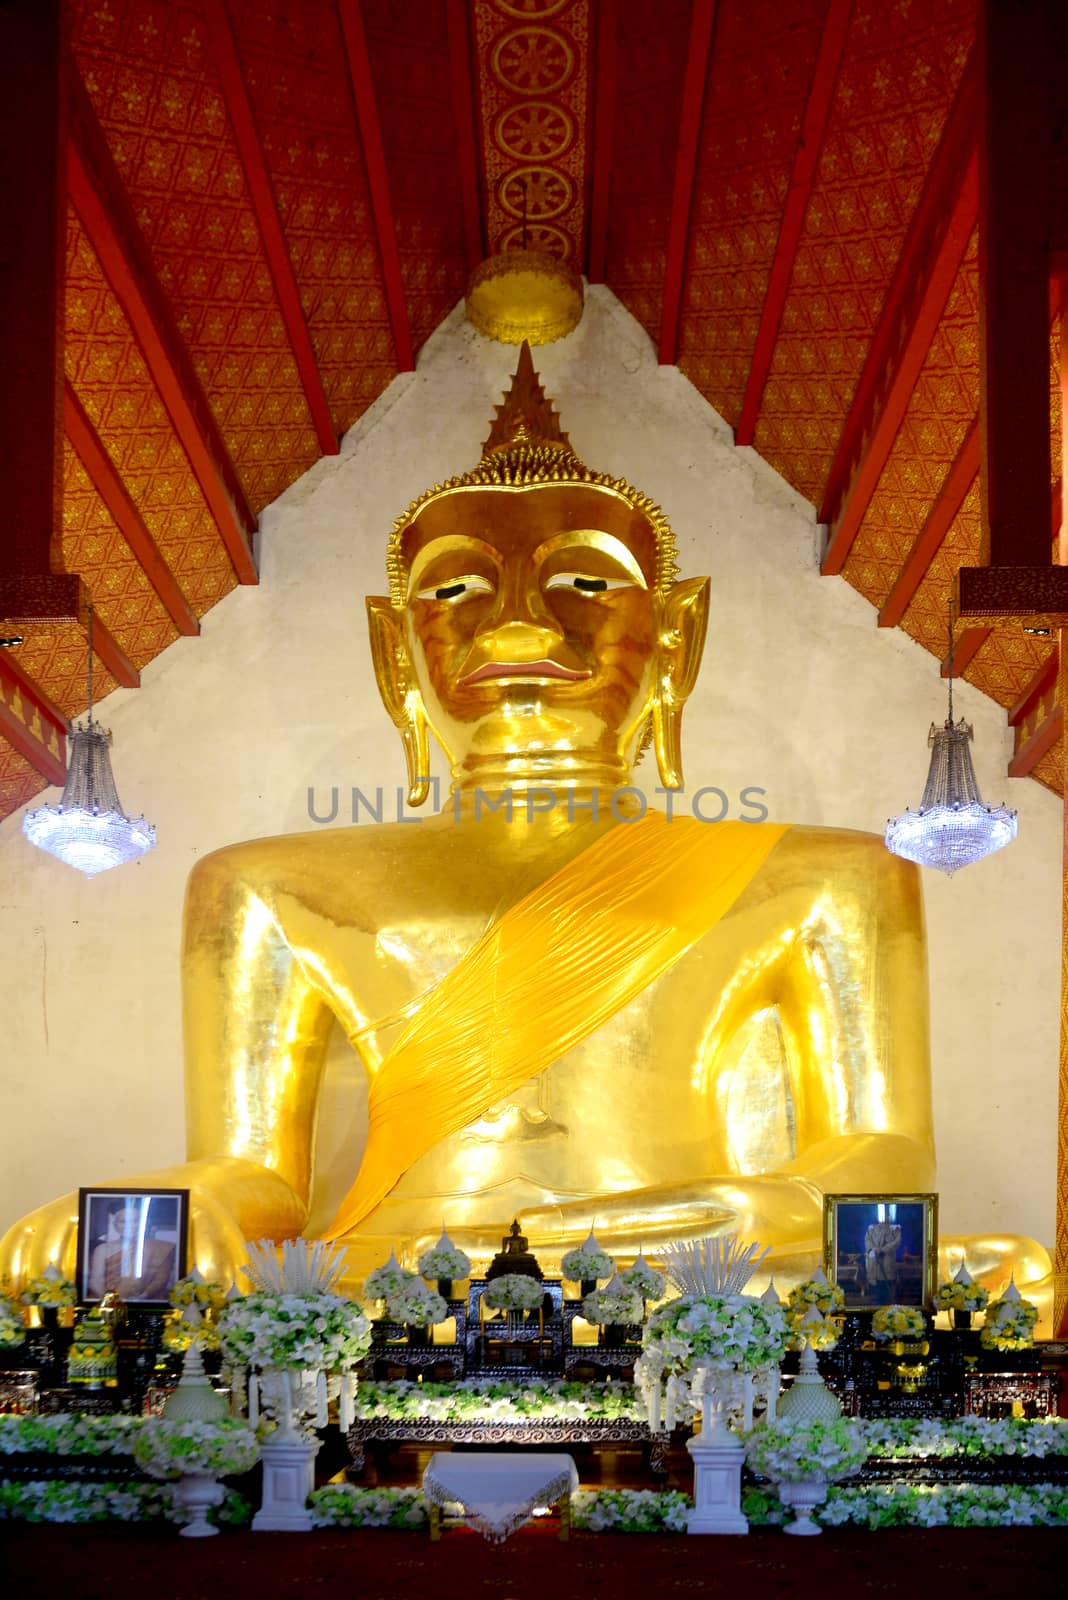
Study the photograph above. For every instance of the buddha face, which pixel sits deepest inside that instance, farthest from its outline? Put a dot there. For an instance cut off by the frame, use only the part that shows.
(531, 621)
(534, 637)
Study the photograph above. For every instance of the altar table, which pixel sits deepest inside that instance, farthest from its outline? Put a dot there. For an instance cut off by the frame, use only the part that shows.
(499, 1493)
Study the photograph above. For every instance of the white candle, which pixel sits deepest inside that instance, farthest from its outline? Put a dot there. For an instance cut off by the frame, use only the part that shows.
(747, 1401)
(344, 1405)
(322, 1415)
(773, 1396)
(654, 1406)
(253, 1399)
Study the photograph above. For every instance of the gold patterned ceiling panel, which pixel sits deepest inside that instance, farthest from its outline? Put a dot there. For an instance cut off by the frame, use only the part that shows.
(297, 79)
(150, 73)
(755, 101)
(108, 374)
(651, 54)
(54, 656)
(900, 69)
(941, 410)
(533, 68)
(19, 782)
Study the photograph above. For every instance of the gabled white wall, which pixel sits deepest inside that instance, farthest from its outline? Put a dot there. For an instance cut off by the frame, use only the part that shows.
(800, 694)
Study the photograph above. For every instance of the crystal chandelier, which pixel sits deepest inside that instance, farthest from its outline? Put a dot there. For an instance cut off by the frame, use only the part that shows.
(88, 829)
(953, 827)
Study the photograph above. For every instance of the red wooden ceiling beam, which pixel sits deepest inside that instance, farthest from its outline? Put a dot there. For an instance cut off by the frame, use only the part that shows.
(934, 246)
(363, 94)
(110, 654)
(966, 646)
(940, 519)
(1030, 750)
(1042, 682)
(693, 98)
(115, 495)
(810, 145)
(261, 193)
(107, 216)
(31, 723)
(604, 116)
(463, 100)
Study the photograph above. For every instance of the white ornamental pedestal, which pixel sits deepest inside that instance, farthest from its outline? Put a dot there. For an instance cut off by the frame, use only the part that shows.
(717, 1471)
(288, 1473)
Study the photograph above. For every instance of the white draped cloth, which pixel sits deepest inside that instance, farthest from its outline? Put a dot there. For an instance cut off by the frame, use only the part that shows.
(498, 1493)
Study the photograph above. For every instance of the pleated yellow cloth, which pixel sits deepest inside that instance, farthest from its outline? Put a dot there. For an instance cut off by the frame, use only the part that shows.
(546, 975)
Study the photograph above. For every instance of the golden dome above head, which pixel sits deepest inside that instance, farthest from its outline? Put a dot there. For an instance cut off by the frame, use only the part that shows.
(524, 295)
(526, 447)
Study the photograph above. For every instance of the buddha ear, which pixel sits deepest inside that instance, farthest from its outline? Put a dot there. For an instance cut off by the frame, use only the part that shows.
(684, 620)
(401, 698)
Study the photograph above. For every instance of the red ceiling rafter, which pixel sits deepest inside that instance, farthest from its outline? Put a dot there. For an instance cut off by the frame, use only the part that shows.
(128, 519)
(965, 648)
(1043, 682)
(17, 687)
(463, 101)
(261, 194)
(810, 144)
(930, 258)
(957, 482)
(112, 656)
(363, 94)
(603, 122)
(1030, 750)
(101, 202)
(693, 95)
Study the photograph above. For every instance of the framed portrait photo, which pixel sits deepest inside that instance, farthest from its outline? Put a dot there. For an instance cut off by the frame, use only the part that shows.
(881, 1249)
(131, 1242)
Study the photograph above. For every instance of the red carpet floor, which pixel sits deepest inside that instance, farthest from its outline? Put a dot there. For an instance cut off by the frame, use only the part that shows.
(88, 1563)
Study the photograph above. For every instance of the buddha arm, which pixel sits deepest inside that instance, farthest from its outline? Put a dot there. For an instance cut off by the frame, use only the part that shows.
(256, 1029)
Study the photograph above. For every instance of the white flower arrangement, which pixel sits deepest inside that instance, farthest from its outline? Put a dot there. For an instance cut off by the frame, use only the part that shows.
(724, 1332)
(650, 1283)
(320, 1331)
(49, 1288)
(898, 1322)
(791, 1452)
(445, 1260)
(344, 1505)
(417, 1305)
(514, 1292)
(179, 1333)
(616, 1302)
(630, 1510)
(167, 1449)
(387, 1280)
(815, 1291)
(809, 1326)
(587, 1263)
(1009, 1325)
(12, 1327)
(52, 1500)
(64, 1434)
(496, 1400)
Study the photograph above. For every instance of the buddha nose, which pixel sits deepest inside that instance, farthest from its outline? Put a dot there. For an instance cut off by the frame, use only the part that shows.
(518, 640)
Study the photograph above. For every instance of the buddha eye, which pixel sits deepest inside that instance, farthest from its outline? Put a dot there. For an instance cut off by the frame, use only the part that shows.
(456, 588)
(584, 584)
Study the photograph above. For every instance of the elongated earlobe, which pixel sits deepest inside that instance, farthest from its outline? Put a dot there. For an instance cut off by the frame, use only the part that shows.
(393, 674)
(682, 639)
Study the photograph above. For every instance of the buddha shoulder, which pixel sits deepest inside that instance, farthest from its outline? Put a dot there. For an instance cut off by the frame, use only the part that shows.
(840, 862)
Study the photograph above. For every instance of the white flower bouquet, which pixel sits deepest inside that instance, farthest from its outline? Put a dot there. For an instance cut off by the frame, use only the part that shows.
(50, 1288)
(387, 1280)
(587, 1263)
(1009, 1325)
(417, 1305)
(957, 1296)
(898, 1322)
(650, 1283)
(791, 1452)
(514, 1292)
(444, 1261)
(166, 1449)
(12, 1327)
(826, 1297)
(320, 1331)
(617, 1302)
(819, 1331)
(724, 1332)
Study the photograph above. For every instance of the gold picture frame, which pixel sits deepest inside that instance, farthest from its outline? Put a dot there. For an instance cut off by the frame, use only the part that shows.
(881, 1249)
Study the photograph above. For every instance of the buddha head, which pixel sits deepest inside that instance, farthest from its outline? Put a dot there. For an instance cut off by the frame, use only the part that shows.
(534, 621)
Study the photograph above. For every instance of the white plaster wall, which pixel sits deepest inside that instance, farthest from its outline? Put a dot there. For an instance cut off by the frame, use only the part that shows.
(800, 694)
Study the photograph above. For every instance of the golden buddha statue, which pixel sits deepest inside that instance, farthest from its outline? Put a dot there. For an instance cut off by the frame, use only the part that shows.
(571, 1007)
